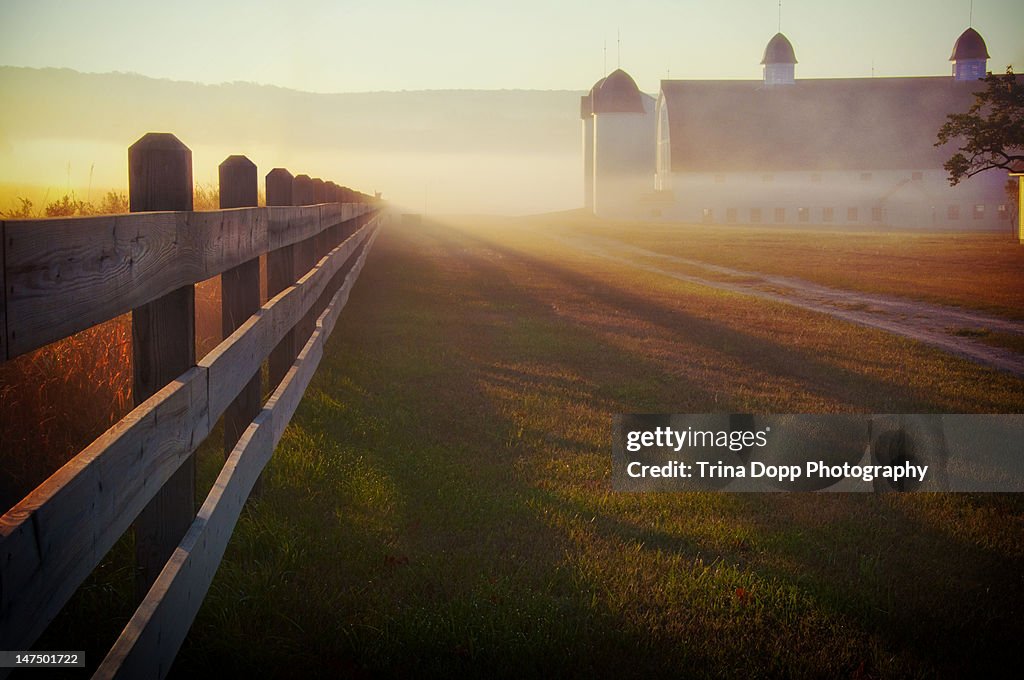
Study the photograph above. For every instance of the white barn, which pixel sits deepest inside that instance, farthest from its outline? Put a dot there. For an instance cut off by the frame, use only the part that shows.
(844, 151)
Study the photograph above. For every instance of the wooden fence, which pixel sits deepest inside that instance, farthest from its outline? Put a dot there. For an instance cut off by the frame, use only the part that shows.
(61, 276)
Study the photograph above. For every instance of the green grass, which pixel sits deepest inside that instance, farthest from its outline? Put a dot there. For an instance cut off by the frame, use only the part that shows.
(441, 503)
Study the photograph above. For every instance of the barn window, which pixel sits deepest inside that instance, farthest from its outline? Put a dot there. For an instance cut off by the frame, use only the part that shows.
(876, 213)
(780, 214)
(803, 214)
(953, 212)
(755, 214)
(730, 214)
(709, 214)
(1002, 211)
(979, 211)
(852, 214)
(827, 214)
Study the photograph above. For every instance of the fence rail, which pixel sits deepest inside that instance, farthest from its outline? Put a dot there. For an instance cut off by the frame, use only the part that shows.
(64, 275)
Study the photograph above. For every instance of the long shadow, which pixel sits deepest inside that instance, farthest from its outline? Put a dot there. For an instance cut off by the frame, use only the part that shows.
(469, 574)
(493, 281)
(817, 377)
(903, 622)
(467, 579)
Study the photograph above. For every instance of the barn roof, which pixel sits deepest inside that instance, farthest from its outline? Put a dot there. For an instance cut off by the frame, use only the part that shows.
(819, 124)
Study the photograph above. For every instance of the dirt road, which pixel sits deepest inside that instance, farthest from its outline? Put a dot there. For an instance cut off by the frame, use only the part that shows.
(951, 329)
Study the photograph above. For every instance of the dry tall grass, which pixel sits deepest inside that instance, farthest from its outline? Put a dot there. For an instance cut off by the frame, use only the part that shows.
(57, 399)
(69, 205)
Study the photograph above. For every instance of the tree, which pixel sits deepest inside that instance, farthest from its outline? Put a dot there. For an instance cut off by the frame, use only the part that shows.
(992, 130)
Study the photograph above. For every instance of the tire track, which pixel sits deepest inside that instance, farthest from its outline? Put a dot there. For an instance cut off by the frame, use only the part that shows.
(932, 324)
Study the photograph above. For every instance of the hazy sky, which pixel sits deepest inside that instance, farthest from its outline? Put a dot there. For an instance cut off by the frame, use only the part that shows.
(337, 46)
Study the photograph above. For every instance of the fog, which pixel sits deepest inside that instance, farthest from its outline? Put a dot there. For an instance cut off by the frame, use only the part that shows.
(500, 152)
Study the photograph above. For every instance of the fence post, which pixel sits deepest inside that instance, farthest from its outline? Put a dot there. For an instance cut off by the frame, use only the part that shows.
(335, 232)
(320, 247)
(339, 198)
(346, 226)
(303, 194)
(302, 190)
(240, 294)
(280, 275)
(163, 346)
(320, 240)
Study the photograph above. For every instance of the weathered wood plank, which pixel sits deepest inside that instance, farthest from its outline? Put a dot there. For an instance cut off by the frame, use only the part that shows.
(340, 299)
(286, 398)
(284, 402)
(331, 213)
(235, 360)
(54, 538)
(350, 223)
(290, 224)
(67, 274)
(150, 641)
(48, 544)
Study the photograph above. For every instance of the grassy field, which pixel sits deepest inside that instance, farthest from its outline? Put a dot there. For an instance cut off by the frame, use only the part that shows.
(981, 271)
(441, 503)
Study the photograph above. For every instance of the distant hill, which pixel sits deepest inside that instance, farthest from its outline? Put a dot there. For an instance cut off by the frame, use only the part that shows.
(520, 138)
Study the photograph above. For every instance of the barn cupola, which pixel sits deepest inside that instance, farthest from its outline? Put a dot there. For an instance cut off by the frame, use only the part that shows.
(617, 93)
(779, 61)
(970, 56)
